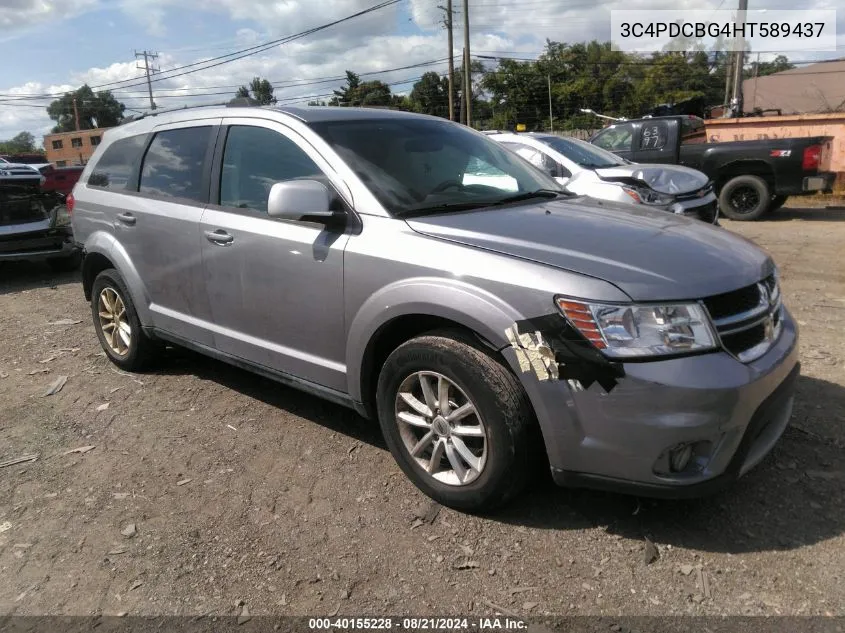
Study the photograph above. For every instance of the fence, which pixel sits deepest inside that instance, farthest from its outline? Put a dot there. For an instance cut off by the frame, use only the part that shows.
(583, 135)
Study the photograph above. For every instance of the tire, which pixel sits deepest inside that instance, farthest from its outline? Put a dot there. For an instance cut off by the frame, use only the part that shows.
(66, 264)
(140, 350)
(498, 433)
(745, 198)
(777, 202)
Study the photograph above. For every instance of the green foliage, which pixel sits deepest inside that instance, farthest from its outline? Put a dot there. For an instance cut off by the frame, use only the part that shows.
(777, 65)
(21, 143)
(99, 109)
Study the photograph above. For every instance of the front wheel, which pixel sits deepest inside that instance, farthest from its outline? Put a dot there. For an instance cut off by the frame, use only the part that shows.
(745, 198)
(456, 421)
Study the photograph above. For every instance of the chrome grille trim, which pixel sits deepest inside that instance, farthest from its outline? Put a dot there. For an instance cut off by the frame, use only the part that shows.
(767, 316)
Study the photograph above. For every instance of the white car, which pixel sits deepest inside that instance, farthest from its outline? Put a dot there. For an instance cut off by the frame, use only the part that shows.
(585, 169)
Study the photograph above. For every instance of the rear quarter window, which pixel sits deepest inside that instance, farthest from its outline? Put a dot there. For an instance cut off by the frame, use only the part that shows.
(117, 164)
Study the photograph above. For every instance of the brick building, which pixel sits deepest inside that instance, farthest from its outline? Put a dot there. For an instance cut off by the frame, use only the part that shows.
(72, 148)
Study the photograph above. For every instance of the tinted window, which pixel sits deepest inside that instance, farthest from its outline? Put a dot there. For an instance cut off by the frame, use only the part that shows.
(173, 165)
(114, 168)
(418, 164)
(654, 135)
(615, 139)
(584, 154)
(537, 158)
(254, 159)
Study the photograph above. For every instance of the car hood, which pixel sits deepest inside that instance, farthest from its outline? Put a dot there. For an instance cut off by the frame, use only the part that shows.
(650, 255)
(669, 179)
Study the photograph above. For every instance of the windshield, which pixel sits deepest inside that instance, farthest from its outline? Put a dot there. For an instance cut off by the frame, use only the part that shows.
(416, 164)
(584, 154)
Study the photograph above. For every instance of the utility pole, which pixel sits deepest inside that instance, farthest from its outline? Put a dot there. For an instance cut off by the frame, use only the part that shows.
(447, 22)
(728, 77)
(739, 60)
(467, 73)
(147, 58)
(551, 116)
(76, 114)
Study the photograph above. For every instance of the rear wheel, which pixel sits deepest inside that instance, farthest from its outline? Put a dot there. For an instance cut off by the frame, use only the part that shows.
(117, 324)
(456, 421)
(745, 198)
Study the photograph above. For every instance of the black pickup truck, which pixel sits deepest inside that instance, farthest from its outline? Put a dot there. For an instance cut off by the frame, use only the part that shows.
(34, 223)
(751, 178)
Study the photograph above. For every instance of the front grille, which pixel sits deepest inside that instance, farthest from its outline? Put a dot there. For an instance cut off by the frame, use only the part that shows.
(698, 193)
(748, 320)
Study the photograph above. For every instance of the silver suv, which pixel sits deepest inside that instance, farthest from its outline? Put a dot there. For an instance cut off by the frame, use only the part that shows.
(420, 273)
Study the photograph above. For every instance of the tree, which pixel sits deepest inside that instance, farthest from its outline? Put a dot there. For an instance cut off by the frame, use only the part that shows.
(345, 95)
(261, 91)
(21, 143)
(430, 95)
(777, 65)
(95, 110)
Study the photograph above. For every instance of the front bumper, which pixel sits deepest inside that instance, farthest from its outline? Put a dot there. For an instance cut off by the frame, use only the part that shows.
(705, 208)
(614, 440)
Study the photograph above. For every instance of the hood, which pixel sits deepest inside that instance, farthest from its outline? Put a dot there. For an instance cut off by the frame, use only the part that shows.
(650, 255)
(669, 179)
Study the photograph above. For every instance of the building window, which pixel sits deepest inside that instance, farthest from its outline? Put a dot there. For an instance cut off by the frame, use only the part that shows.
(95, 140)
(76, 142)
(57, 144)
(61, 163)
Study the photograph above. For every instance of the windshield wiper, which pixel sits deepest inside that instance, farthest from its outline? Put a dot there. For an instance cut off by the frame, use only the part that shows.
(468, 206)
(537, 193)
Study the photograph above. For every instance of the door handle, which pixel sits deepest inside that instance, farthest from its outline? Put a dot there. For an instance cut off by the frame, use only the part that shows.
(219, 237)
(127, 218)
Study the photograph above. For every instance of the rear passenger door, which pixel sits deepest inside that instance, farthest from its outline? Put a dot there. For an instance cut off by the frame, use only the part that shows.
(275, 286)
(158, 226)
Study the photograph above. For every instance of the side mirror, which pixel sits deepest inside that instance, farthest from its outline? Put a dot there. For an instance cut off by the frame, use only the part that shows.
(300, 200)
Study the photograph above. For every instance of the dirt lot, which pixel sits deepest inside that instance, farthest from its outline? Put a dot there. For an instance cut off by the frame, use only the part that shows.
(243, 490)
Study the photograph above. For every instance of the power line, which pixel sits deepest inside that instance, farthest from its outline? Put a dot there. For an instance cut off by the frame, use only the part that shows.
(236, 55)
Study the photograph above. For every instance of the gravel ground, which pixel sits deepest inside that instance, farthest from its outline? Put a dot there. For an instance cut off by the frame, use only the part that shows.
(199, 488)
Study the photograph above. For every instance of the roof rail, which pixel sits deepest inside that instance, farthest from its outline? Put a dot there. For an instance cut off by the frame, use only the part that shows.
(237, 102)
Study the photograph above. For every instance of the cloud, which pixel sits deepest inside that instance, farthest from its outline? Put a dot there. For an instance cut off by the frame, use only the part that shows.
(17, 15)
(367, 44)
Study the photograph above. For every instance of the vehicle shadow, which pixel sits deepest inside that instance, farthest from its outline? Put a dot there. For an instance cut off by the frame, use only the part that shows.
(18, 276)
(180, 361)
(791, 500)
(807, 214)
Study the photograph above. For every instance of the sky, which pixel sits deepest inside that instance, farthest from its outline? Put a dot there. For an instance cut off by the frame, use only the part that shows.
(51, 46)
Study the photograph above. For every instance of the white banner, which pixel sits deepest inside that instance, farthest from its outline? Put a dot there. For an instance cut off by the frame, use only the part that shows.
(758, 31)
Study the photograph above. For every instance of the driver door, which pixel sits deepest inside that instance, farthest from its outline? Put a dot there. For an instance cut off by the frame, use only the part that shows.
(275, 286)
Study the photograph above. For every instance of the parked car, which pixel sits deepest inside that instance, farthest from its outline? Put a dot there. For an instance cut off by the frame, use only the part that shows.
(348, 252)
(751, 177)
(34, 224)
(588, 170)
(60, 179)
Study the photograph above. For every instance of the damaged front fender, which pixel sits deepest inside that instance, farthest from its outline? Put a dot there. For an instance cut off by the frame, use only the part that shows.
(550, 348)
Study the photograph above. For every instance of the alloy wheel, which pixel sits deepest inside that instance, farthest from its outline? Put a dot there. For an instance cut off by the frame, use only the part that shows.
(441, 428)
(114, 321)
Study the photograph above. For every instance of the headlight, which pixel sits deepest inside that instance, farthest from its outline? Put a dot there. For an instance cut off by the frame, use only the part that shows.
(630, 331)
(62, 216)
(644, 195)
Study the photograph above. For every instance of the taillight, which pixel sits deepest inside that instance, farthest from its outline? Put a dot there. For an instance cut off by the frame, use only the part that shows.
(812, 158)
(69, 202)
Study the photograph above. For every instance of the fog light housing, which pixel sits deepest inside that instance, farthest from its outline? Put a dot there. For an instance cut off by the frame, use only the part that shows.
(684, 459)
(679, 458)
